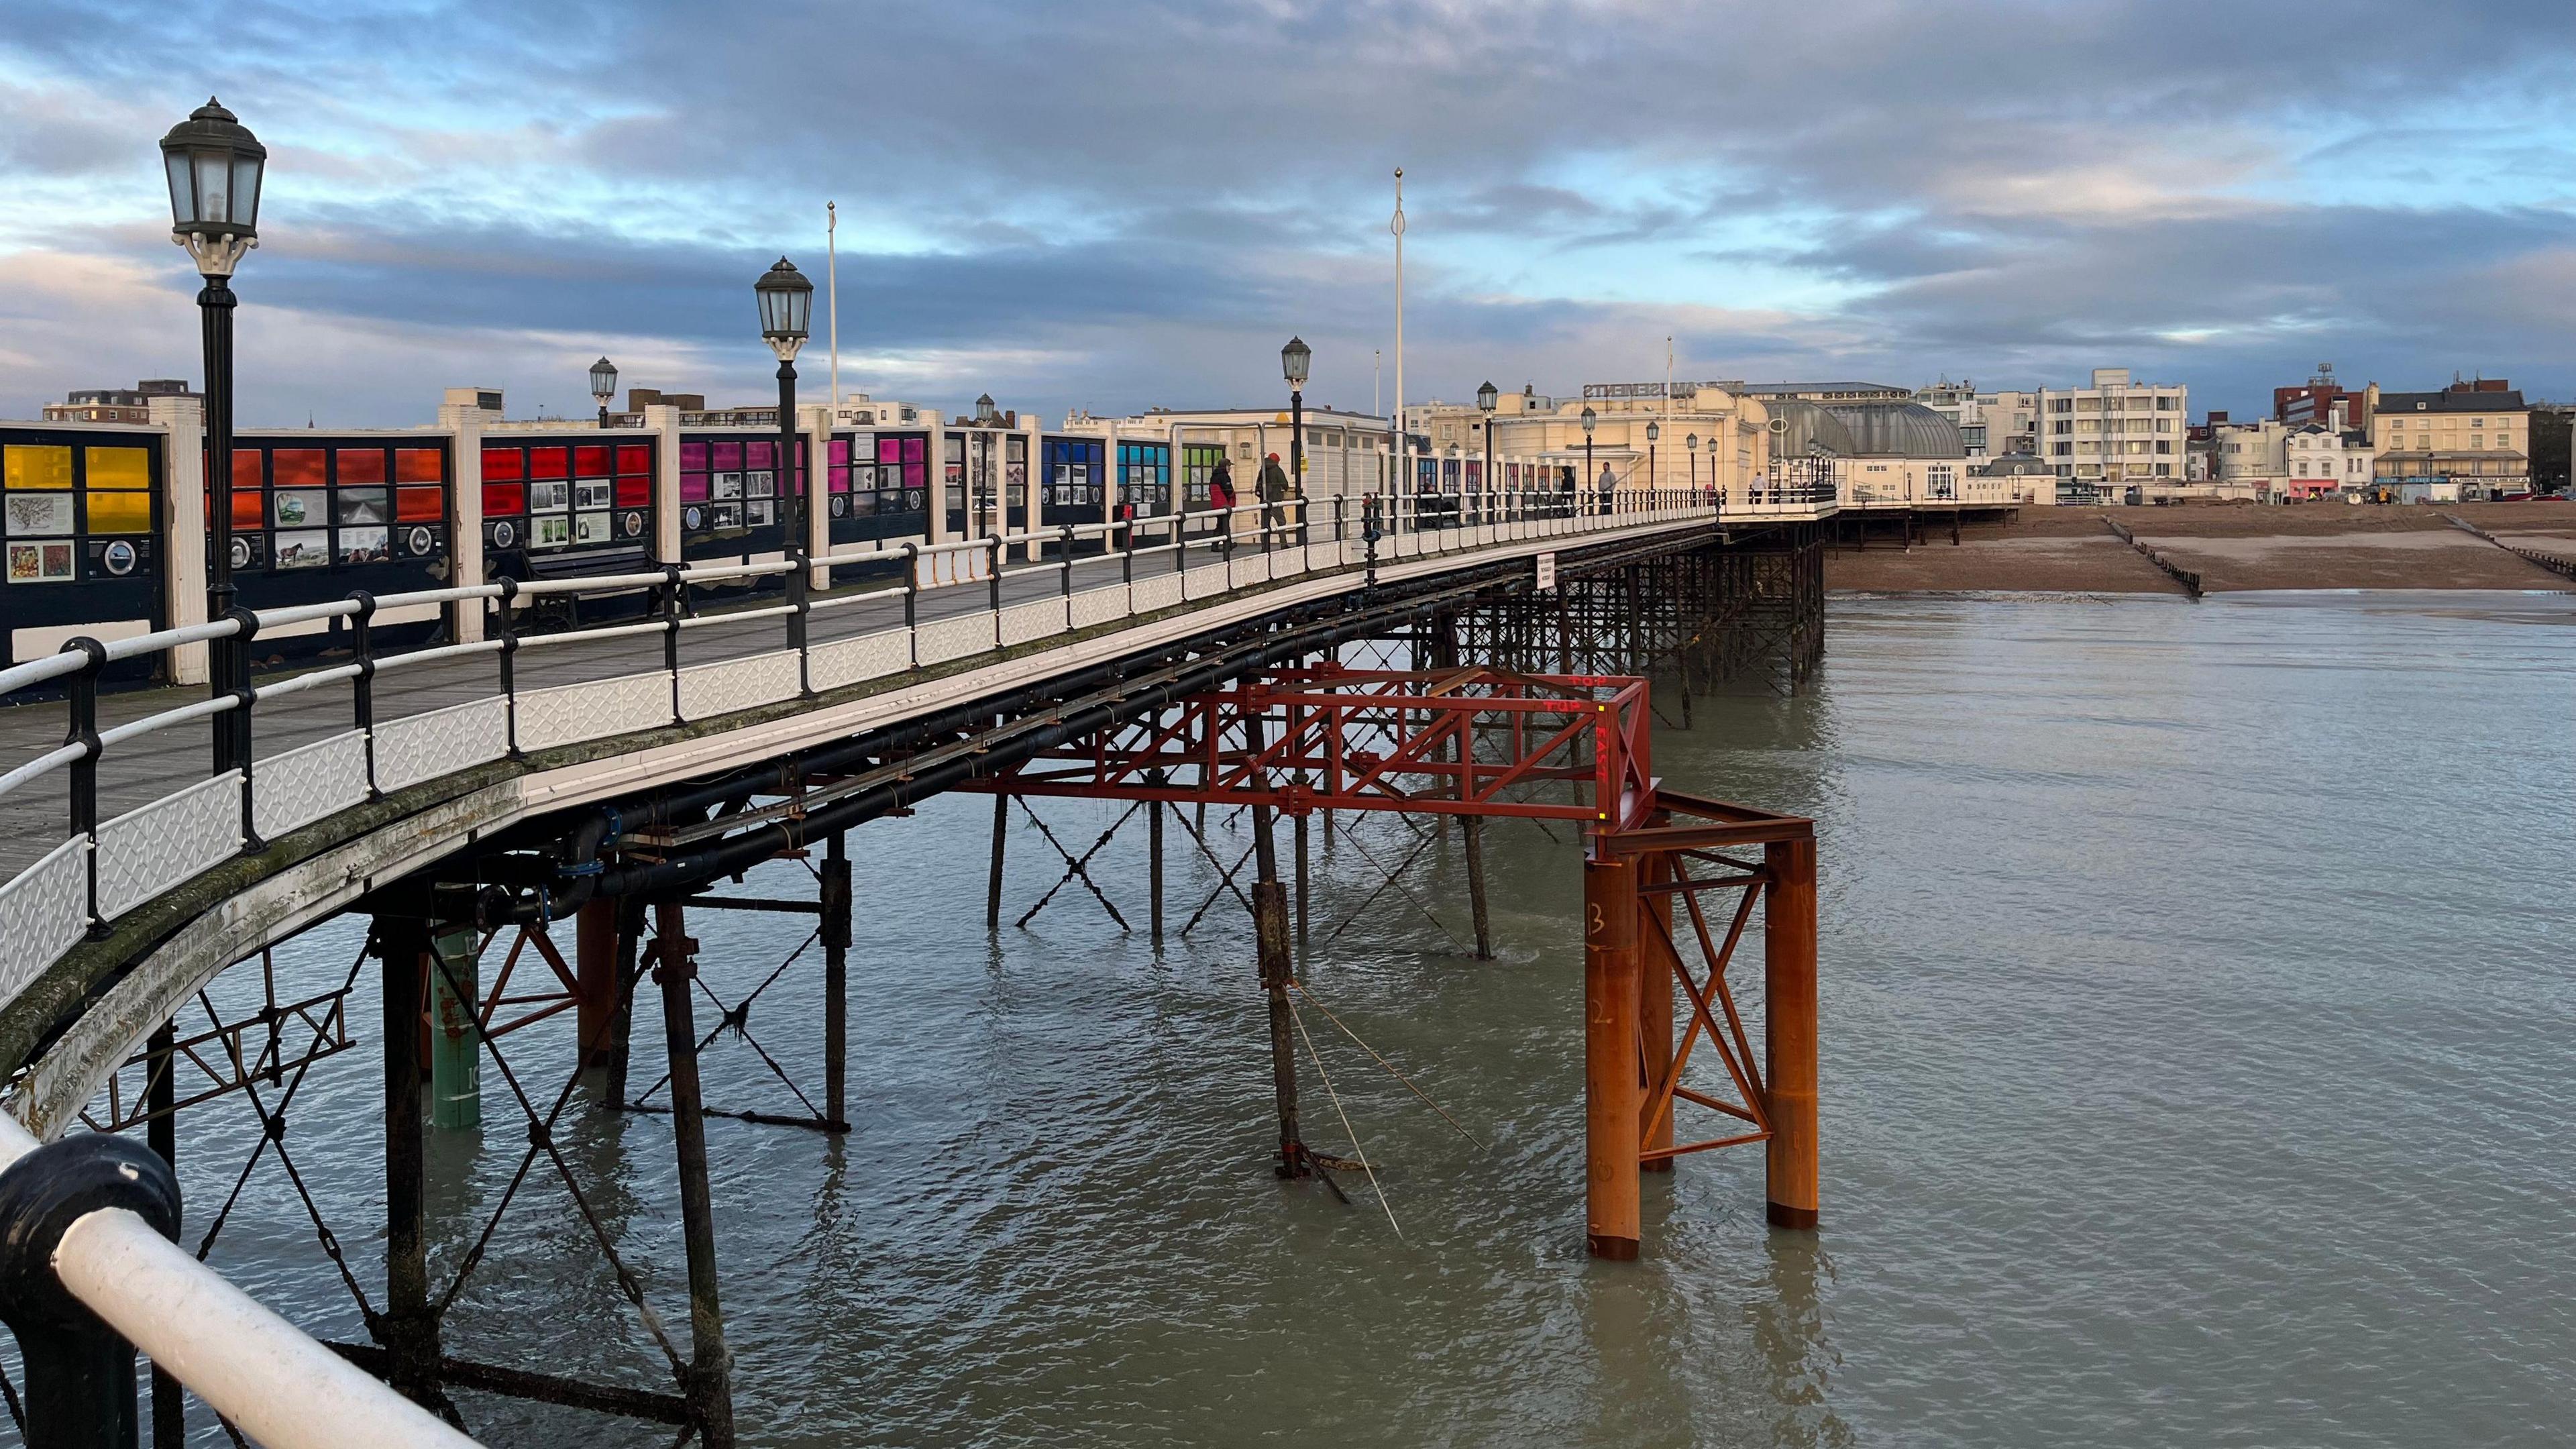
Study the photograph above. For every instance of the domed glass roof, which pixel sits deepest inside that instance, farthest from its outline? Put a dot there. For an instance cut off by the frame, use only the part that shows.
(1899, 430)
(1801, 429)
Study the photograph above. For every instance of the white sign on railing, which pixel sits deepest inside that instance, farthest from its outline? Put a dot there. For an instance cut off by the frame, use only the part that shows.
(1547, 572)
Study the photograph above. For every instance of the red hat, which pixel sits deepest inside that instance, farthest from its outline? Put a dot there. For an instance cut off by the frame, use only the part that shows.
(1274, 457)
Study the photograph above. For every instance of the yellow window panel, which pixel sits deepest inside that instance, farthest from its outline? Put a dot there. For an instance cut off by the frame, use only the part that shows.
(120, 512)
(38, 467)
(120, 468)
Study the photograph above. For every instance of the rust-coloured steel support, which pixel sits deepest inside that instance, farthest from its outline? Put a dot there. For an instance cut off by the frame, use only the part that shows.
(1655, 970)
(710, 1385)
(1789, 1029)
(1610, 1068)
(621, 1020)
(595, 982)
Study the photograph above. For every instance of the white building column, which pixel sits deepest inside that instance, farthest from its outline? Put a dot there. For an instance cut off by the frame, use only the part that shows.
(663, 422)
(182, 421)
(815, 420)
(464, 424)
(936, 479)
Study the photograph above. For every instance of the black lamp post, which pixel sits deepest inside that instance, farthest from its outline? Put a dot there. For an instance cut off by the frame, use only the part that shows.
(603, 386)
(1486, 400)
(1690, 445)
(1589, 418)
(991, 509)
(786, 305)
(214, 164)
(1653, 431)
(1293, 360)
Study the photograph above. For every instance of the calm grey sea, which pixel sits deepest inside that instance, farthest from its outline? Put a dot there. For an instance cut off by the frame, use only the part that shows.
(2198, 1069)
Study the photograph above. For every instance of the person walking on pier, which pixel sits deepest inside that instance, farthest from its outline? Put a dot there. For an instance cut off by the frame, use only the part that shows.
(1274, 493)
(1566, 484)
(1221, 498)
(1609, 488)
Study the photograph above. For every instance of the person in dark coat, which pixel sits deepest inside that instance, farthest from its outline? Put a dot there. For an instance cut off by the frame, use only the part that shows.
(1221, 498)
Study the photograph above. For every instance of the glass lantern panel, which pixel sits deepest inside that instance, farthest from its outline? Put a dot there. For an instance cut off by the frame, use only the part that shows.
(214, 184)
(246, 190)
(183, 190)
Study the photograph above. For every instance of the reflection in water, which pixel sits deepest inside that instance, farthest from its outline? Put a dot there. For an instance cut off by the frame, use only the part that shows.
(2229, 936)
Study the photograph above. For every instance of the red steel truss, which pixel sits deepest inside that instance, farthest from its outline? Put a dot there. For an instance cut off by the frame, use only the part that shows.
(1467, 741)
(1489, 742)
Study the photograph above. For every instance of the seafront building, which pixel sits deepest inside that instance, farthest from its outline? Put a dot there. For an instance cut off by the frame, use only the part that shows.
(1704, 434)
(1992, 423)
(2114, 434)
(2470, 440)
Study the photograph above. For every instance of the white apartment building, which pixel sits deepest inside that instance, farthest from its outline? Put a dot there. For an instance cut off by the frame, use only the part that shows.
(2321, 461)
(2252, 457)
(1992, 423)
(2115, 432)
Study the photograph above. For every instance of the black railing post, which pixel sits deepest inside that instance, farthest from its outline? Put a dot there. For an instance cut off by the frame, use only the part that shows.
(994, 548)
(83, 732)
(79, 1373)
(509, 630)
(912, 602)
(362, 689)
(796, 599)
(675, 593)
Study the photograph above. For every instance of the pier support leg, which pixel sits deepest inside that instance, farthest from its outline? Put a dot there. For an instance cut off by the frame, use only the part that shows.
(836, 978)
(1270, 933)
(1474, 826)
(410, 1328)
(1655, 997)
(993, 878)
(710, 1384)
(621, 1019)
(1789, 1029)
(595, 978)
(1611, 1090)
(456, 1037)
(1154, 863)
(1303, 884)
(161, 1099)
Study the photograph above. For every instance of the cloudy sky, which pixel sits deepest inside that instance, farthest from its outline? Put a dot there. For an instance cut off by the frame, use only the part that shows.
(1120, 205)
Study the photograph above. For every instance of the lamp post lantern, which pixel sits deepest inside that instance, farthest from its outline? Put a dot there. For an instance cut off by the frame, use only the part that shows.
(215, 165)
(1653, 431)
(1293, 362)
(786, 306)
(603, 386)
(1690, 445)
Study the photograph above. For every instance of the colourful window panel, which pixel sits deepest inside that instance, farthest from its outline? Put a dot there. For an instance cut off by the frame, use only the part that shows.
(634, 492)
(38, 467)
(693, 457)
(635, 458)
(502, 465)
(296, 467)
(246, 469)
(728, 457)
(693, 488)
(591, 460)
(889, 450)
(423, 505)
(547, 463)
(120, 511)
(759, 455)
(362, 465)
(247, 510)
(502, 500)
(120, 468)
(840, 453)
(419, 465)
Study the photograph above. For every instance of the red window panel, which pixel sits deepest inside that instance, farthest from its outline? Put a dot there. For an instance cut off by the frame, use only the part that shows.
(546, 463)
(297, 467)
(634, 492)
(634, 458)
(362, 465)
(246, 468)
(419, 465)
(502, 465)
(419, 505)
(504, 500)
(247, 514)
(590, 460)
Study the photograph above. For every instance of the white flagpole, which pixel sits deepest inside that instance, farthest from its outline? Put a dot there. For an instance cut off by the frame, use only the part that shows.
(832, 288)
(1403, 480)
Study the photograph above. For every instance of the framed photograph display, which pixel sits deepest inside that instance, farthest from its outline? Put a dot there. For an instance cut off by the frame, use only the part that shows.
(37, 515)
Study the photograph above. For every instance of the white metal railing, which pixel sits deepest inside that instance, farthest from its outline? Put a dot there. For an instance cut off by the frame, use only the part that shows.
(77, 1208)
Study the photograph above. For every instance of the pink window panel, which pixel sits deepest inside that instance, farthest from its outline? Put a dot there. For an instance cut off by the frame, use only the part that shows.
(693, 488)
